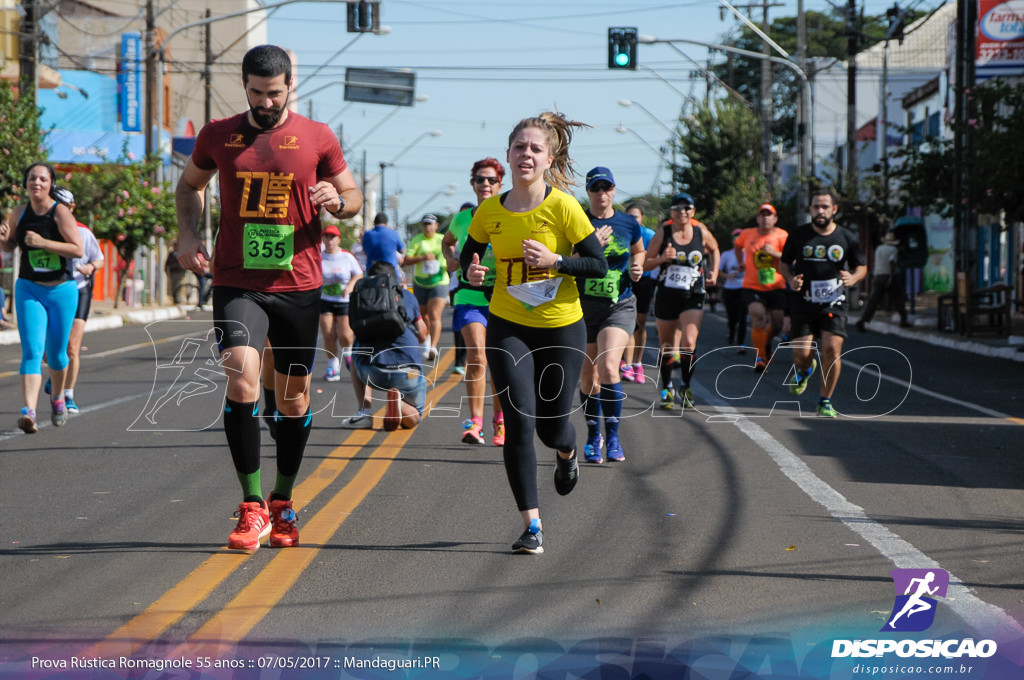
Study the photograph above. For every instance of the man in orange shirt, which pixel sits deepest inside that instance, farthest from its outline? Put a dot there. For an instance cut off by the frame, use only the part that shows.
(764, 289)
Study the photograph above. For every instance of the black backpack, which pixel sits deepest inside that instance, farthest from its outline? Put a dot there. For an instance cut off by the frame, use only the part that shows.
(377, 309)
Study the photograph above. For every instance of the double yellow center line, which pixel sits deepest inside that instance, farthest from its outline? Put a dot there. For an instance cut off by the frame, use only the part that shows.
(254, 601)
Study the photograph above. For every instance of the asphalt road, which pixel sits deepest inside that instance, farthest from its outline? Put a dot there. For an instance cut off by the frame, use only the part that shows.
(749, 517)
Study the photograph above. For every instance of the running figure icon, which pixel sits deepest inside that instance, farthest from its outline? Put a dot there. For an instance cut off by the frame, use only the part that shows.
(916, 602)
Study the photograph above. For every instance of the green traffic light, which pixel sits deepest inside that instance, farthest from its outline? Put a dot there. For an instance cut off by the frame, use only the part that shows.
(622, 59)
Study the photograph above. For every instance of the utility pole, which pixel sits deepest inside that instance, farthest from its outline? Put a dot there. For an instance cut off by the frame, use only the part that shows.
(966, 19)
(766, 103)
(802, 140)
(850, 183)
(207, 116)
(150, 47)
(364, 218)
(29, 49)
(765, 108)
(208, 71)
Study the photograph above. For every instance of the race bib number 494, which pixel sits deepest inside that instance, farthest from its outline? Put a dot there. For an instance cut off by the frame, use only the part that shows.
(680, 277)
(268, 246)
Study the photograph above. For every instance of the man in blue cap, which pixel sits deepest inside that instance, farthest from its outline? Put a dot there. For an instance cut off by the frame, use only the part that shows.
(609, 310)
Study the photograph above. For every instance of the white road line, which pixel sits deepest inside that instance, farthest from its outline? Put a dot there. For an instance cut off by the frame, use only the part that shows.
(927, 392)
(89, 409)
(986, 618)
(138, 345)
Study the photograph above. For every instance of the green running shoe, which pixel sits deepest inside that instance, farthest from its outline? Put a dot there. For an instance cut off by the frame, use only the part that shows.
(666, 399)
(686, 398)
(801, 378)
(825, 409)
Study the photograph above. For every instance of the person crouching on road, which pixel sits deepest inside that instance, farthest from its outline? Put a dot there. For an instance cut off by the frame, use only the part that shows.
(393, 366)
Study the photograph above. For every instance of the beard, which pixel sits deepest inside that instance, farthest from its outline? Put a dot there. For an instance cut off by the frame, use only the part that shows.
(268, 118)
(820, 221)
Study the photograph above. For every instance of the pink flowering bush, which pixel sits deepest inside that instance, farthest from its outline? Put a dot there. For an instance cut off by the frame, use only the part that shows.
(120, 202)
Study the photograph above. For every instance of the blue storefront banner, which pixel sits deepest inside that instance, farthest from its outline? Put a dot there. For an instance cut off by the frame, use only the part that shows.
(130, 82)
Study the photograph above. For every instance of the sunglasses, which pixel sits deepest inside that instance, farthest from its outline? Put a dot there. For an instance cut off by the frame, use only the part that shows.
(603, 186)
(480, 179)
(766, 213)
(682, 207)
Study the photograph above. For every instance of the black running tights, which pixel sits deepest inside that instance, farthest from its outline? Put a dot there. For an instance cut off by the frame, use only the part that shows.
(536, 372)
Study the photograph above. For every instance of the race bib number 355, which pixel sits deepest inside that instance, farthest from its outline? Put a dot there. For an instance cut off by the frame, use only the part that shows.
(268, 246)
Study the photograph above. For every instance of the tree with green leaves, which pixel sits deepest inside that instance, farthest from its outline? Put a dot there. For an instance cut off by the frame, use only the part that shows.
(826, 38)
(722, 167)
(123, 205)
(20, 143)
(992, 175)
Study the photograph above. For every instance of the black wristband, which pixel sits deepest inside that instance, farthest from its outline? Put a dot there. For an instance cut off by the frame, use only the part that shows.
(340, 208)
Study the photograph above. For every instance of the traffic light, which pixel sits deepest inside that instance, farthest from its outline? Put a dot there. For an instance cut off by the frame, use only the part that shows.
(896, 18)
(622, 48)
(363, 16)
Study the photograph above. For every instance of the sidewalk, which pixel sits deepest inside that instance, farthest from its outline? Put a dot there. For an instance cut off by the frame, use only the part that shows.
(925, 328)
(103, 316)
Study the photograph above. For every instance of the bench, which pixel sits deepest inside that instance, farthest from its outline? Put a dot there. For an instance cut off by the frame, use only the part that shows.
(983, 309)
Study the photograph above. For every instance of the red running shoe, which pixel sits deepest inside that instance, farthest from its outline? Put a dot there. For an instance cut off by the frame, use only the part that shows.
(499, 432)
(284, 522)
(393, 411)
(253, 526)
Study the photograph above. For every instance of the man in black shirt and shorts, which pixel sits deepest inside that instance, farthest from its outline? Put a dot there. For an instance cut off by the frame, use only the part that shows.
(820, 262)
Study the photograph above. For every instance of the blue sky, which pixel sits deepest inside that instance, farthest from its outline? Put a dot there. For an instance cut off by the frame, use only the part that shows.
(484, 66)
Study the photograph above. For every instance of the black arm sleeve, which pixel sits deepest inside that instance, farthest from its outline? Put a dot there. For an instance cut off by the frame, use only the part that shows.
(469, 248)
(590, 264)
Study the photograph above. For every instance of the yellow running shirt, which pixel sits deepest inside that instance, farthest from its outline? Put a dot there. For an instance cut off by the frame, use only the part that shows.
(559, 223)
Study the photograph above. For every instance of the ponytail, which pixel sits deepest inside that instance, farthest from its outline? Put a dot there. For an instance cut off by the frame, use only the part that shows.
(558, 130)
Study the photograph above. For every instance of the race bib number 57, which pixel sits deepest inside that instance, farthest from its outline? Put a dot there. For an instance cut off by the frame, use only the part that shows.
(268, 246)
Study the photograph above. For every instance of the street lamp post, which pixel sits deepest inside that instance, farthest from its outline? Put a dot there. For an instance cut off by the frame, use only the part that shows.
(447, 190)
(622, 129)
(671, 134)
(419, 98)
(806, 149)
(391, 163)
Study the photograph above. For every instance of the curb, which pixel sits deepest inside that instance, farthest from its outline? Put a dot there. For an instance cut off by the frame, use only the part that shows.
(111, 320)
(1014, 352)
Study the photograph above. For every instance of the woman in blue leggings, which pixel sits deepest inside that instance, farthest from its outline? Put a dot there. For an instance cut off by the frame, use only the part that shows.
(45, 294)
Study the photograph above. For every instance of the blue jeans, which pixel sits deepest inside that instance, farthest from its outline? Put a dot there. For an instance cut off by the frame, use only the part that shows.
(408, 380)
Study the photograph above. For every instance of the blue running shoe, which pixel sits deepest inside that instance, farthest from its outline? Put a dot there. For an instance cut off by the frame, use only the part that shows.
(47, 387)
(592, 449)
(69, 403)
(615, 452)
(666, 399)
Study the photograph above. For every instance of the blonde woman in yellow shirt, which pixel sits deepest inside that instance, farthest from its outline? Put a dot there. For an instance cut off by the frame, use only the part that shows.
(536, 337)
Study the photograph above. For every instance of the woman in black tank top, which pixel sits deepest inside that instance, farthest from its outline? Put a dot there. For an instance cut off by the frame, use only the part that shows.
(45, 293)
(681, 249)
